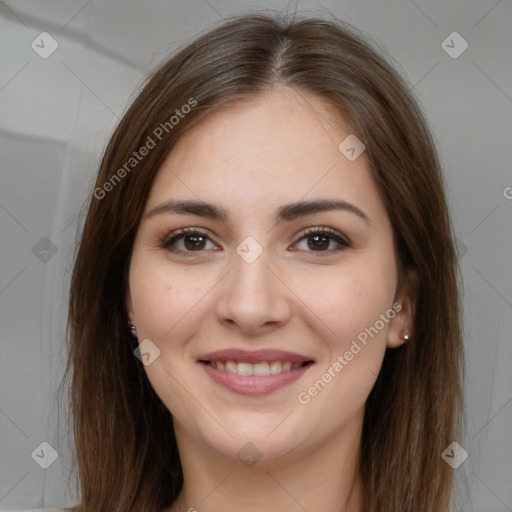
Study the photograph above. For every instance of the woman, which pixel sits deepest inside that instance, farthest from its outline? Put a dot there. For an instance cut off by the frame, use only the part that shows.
(264, 311)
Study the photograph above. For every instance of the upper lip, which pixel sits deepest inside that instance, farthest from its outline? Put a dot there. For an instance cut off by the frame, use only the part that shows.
(254, 356)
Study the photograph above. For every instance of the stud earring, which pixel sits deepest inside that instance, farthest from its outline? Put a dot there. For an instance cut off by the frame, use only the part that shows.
(132, 329)
(405, 335)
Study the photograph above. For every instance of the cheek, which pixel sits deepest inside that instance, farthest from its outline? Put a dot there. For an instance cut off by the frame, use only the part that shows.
(352, 307)
(162, 297)
(345, 303)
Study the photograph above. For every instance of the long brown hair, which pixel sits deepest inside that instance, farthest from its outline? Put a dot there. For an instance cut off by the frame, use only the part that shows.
(126, 452)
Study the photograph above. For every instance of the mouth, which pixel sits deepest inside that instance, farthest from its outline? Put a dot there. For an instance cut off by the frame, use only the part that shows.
(256, 372)
(260, 369)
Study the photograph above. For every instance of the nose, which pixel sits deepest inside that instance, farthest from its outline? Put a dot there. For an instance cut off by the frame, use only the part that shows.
(253, 298)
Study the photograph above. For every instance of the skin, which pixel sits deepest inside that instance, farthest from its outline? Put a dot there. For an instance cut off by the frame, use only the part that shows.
(251, 158)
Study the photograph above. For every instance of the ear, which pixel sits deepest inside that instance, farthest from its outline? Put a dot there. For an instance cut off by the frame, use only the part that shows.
(403, 321)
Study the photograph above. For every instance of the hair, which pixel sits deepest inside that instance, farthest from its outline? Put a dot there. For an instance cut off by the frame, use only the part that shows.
(126, 451)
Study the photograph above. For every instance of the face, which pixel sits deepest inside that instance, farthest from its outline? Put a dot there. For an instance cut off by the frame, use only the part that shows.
(271, 320)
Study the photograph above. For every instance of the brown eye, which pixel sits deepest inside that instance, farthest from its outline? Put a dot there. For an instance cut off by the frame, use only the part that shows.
(318, 242)
(187, 241)
(321, 240)
(193, 242)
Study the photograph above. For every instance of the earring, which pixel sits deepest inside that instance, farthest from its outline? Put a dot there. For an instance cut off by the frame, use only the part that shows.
(132, 329)
(405, 335)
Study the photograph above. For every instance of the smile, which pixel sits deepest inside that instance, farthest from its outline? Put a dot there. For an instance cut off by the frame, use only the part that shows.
(261, 369)
(254, 373)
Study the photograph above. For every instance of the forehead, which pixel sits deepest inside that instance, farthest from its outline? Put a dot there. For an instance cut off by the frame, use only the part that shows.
(274, 148)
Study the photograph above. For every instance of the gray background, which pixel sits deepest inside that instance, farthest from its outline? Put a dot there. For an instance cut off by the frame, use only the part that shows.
(56, 115)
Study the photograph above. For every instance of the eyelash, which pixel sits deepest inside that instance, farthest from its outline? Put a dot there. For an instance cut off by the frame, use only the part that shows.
(167, 241)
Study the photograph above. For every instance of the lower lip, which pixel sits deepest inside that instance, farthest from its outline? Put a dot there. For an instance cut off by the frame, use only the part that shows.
(254, 384)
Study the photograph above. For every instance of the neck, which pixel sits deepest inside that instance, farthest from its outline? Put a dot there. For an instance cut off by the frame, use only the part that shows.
(321, 477)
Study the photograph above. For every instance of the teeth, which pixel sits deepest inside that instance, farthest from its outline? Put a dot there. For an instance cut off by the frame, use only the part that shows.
(276, 367)
(231, 367)
(244, 369)
(259, 369)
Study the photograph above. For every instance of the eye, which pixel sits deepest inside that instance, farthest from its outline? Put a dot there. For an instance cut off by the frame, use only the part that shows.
(187, 240)
(320, 239)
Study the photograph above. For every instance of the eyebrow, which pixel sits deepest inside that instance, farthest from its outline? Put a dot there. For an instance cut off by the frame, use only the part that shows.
(286, 212)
